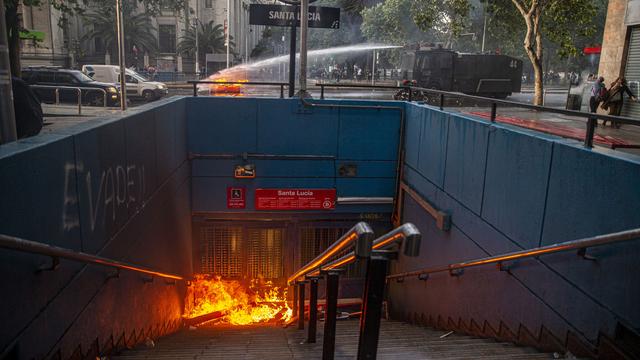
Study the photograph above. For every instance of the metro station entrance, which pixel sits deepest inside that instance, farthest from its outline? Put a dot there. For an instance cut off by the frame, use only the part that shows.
(269, 250)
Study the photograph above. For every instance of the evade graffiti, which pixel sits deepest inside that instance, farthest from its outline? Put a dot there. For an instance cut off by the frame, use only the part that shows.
(116, 187)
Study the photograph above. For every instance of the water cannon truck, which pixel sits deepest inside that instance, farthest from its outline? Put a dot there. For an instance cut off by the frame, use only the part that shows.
(489, 75)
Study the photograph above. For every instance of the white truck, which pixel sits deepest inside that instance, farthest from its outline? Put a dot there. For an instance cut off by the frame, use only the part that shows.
(137, 85)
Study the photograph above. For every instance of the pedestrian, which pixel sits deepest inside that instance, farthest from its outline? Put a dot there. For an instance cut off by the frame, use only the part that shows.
(27, 108)
(598, 94)
(615, 98)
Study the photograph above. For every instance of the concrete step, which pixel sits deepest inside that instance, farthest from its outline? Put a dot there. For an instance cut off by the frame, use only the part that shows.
(397, 341)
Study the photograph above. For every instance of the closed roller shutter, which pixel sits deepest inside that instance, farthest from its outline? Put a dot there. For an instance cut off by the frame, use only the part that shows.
(632, 74)
(221, 251)
(264, 253)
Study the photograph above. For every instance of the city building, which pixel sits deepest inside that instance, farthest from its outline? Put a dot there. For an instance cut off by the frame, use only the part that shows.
(47, 43)
(621, 48)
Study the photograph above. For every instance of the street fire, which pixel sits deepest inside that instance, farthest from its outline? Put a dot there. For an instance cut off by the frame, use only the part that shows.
(230, 302)
(226, 89)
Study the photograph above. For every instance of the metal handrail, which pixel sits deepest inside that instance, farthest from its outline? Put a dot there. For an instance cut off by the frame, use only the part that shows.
(408, 233)
(361, 236)
(621, 119)
(78, 91)
(260, 83)
(361, 86)
(581, 245)
(591, 117)
(33, 247)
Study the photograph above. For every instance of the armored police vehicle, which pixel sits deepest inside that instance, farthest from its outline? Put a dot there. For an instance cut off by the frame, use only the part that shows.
(477, 74)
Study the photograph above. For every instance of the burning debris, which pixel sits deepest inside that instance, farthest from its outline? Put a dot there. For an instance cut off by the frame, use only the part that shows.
(231, 302)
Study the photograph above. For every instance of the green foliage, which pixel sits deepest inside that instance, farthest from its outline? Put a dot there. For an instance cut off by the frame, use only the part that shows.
(210, 40)
(386, 23)
(138, 28)
(566, 25)
(444, 16)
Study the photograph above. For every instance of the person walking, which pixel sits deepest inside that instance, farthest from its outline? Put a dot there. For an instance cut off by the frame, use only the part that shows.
(598, 93)
(615, 98)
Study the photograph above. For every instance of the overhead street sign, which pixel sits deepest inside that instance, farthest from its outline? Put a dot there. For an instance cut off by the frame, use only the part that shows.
(286, 15)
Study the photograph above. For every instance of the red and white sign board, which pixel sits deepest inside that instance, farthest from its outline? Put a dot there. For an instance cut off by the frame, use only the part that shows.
(295, 199)
(236, 197)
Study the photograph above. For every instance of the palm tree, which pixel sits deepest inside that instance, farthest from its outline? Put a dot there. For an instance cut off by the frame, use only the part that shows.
(210, 40)
(138, 30)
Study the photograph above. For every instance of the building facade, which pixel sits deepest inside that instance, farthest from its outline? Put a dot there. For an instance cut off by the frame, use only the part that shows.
(65, 46)
(621, 49)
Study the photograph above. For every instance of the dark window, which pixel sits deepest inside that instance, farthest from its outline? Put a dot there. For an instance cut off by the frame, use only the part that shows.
(167, 38)
(208, 4)
(45, 77)
(65, 78)
(99, 45)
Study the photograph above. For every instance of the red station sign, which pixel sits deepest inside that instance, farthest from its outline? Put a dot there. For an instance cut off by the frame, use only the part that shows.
(295, 199)
(236, 198)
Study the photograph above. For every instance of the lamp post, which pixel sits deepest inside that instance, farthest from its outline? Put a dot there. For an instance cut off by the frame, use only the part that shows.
(484, 26)
(7, 116)
(304, 26)
(197, 45)
(227, 37)
(120, 33)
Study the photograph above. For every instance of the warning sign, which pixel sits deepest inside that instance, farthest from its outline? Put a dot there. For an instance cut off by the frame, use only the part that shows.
(236, 198)
(295, 199)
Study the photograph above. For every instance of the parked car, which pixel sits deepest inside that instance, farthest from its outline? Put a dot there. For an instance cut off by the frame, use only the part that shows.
(137, 85)
(45, 80)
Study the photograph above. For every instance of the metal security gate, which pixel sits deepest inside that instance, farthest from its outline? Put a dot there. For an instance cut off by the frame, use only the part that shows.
(632, 74)
(264, 253)
(221, 251)
(241, 251)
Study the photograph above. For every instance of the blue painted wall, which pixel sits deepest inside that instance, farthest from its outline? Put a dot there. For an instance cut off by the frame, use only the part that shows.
(365, 138)
(116, 187)
(124, 188)
(508, 189)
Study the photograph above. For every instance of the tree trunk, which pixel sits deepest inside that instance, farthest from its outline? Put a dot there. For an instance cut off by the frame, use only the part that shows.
(538, 98)
(13, 36)
(533, 43)
(538, 87)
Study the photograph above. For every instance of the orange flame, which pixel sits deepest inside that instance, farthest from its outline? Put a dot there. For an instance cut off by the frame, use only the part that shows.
(225, 89)
(261, 302)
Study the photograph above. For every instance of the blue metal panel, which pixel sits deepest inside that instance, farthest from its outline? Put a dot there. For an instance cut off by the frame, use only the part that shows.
(265, 168)
(414, 121)
(38, 191)
(370, 169)
(221, 125)
(38, 201)
(286, 128)
(516, 184)
(466, 160)
(104, 194)
(592, 194)
(544, 292)
(181, 125)
(369, 134)
(367, 187)
(485, 235)
(140, 132)
(433, 146)
(166, 142)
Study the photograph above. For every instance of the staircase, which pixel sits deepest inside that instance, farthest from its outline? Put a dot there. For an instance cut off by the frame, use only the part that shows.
(398, 340)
